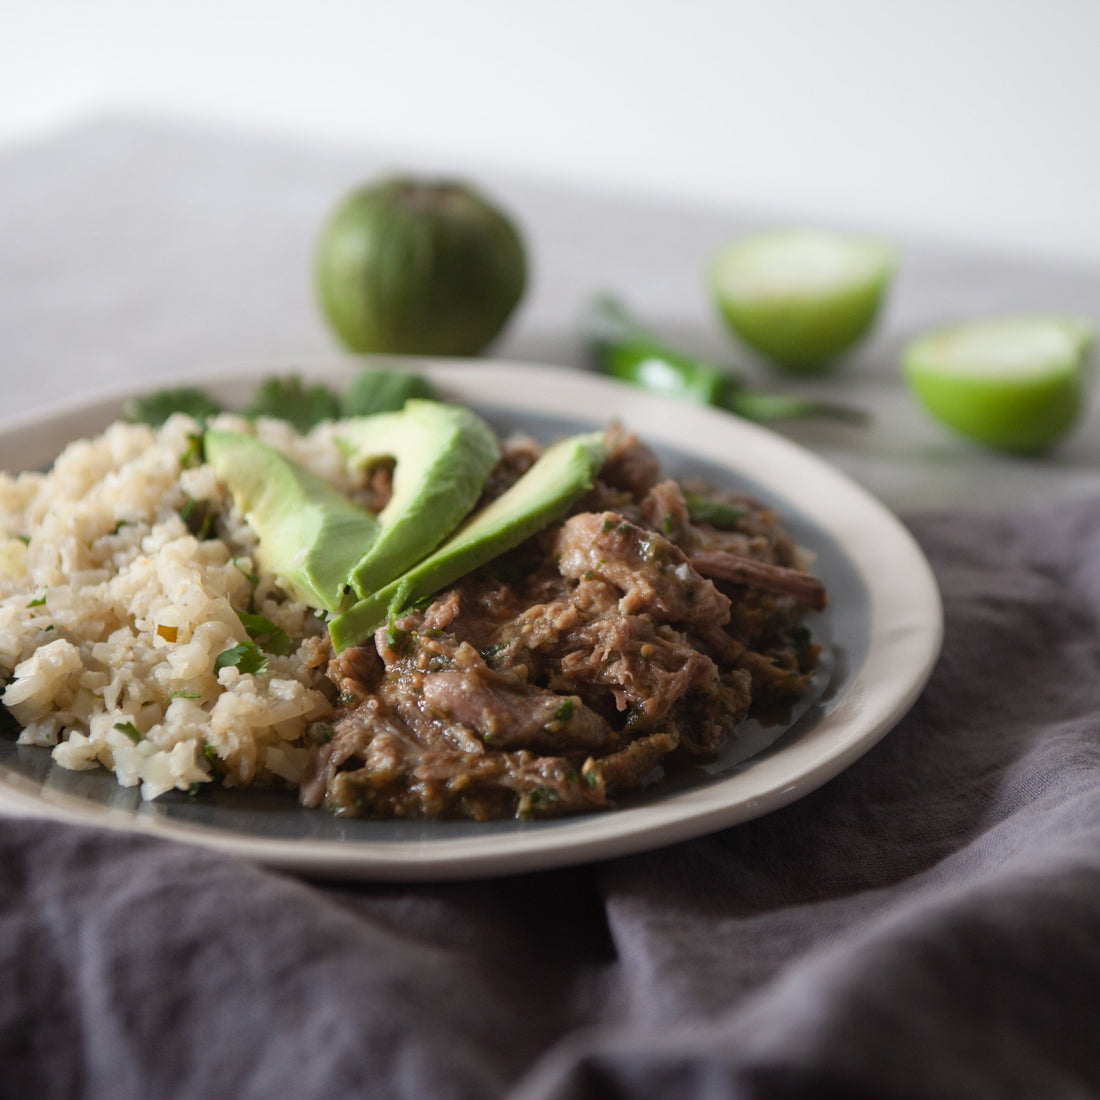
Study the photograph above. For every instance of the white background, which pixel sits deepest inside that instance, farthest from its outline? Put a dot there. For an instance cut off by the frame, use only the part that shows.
(973, 119)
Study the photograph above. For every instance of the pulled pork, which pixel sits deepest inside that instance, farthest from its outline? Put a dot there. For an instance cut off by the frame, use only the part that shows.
(639, 631)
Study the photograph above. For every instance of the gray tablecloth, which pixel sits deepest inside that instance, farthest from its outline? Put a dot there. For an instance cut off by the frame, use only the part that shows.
(926, 925)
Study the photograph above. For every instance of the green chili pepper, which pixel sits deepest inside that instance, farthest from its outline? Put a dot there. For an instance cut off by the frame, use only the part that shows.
(624, 349)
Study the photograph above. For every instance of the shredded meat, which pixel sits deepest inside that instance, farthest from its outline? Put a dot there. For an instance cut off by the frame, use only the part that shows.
(571, 670)
(802, 587)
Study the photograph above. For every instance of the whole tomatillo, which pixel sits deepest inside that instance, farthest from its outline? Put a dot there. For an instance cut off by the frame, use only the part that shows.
(409, 266)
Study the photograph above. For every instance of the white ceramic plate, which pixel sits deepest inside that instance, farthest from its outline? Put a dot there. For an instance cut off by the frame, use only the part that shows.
(883, 630)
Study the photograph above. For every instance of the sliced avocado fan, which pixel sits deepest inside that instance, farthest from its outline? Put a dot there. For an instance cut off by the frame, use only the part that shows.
(444, 455)
(311, 535)
(541, 496)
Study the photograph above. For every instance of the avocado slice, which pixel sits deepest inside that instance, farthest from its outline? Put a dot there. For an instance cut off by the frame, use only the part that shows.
(539, 497)
(444, 454)
(311, 535)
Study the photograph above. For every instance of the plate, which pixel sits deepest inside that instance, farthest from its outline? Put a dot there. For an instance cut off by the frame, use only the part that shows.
(883, 629)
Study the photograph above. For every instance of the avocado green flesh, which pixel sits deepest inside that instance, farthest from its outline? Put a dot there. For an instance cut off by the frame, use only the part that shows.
(444, 455)
(311, 535)
(543, 495)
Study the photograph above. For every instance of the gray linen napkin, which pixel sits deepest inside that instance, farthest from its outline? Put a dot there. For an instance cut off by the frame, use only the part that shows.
(926, 925)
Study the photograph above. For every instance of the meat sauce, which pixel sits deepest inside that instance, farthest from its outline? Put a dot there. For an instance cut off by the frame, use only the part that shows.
(635, 634)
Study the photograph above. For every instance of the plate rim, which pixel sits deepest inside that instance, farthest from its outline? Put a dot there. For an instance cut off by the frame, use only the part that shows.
(906, 621)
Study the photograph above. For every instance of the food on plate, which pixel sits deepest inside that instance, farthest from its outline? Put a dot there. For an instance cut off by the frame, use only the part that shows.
(538, 497)
(1013, 383)
(442, 456)
(420, 267)
(311, 535)
(801, 297)
(167, 614)
(626, 350)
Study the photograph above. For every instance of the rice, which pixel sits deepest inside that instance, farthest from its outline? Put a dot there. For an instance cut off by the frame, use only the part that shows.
(113, 613)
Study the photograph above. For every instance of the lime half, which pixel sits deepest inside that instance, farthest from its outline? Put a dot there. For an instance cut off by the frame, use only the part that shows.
(1014, 383)
(801, 297)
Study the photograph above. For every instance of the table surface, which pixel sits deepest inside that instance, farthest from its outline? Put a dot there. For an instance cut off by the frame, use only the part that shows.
(135, 249)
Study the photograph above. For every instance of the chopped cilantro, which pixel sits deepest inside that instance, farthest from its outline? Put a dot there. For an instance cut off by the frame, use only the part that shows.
(396, 637)
(265, 633)
(252, 578)
(182, 695)
(39, 602)
(24, 539)
(285, 398)
(715, 512)
(247, 656)
(542, 796)
(668, 523)
(130, 730)
(156, 408)
(194, 455)
(608, 525)
(378, 391)
(199, 521)
(565, 711)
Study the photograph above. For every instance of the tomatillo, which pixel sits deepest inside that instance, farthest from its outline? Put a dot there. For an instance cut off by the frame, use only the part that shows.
(409, 266)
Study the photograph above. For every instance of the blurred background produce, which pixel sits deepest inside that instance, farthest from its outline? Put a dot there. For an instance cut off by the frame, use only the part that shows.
(416, 266)
(801, 297)
(195, 152)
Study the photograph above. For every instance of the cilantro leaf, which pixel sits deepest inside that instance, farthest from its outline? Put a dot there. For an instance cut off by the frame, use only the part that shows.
(130, 730)
(714, 512)
(378, 391)
(184, 694)
(265, 633)
(247, 656)
(252, 578)
(156, 408)
(285, 398)
(565, 711)
(200, 522)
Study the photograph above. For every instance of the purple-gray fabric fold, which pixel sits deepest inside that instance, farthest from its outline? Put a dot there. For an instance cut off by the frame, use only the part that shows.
(925, 925)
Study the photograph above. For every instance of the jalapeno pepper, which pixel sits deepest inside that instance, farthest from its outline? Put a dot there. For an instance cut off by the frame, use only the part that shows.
(624, 349)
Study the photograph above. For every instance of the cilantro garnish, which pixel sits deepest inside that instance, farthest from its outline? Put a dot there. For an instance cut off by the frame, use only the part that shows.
(715, 512)
(182, 695)
(252, 578)
(378, 391)
(155, 408)
(248, 657)
(130, 730)
(199, 521)
(265, 633)
(287, 399)
(565, 711)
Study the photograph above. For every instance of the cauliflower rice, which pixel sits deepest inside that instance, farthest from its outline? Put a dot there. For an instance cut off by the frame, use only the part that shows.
(113, 613)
